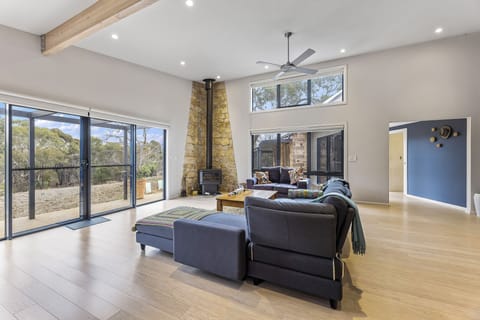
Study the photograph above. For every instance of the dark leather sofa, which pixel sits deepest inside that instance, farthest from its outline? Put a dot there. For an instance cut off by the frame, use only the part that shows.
(280, 181)
(296, 244)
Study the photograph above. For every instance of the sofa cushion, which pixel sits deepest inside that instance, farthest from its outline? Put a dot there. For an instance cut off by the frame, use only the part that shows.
(284, 175)
(295, 175)
(308, 228)
(273, 173)
(262, 177)
(229, 219)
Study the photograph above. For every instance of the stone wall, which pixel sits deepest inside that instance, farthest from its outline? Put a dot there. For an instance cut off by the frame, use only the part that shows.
(195, 147)
(223, 156)
(298, 150)
(195, 142)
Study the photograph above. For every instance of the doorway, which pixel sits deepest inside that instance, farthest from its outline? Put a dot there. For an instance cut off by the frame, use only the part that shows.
(397, 161)
(437, 167)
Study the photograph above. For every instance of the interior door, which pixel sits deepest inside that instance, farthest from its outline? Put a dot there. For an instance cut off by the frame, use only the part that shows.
(396, 162)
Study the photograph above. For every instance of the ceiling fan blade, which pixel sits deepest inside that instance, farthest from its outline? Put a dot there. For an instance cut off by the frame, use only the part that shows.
(307, 53)
(269, 63)
(278, 75)
(305, 70)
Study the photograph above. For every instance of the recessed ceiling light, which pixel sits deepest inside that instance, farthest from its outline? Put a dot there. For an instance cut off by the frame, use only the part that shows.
(115, 36)
(439, 30)
(189, 3)
(218, 77)
(182, 63)
(266, 67)
(343, 50)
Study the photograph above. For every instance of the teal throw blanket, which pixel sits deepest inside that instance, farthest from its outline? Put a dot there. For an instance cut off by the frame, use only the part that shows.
(359, 244)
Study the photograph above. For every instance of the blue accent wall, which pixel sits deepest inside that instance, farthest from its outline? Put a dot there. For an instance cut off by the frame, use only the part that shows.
(437, 173)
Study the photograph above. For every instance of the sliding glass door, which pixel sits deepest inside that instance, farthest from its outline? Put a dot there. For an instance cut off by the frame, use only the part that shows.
(45, 168)
(56, 168)
(150, 163)
(327, 155)
(111, 165)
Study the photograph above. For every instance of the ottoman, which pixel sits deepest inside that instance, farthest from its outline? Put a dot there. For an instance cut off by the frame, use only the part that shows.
(157, 230)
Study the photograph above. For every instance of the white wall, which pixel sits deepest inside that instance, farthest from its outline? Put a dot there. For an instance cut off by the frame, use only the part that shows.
(84, 78)
(434, 80)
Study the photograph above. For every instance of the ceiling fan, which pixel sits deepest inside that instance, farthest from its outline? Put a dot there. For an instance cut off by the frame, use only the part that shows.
(290, 66)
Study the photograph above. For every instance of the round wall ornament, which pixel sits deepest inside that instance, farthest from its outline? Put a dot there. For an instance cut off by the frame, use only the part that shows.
(445, 132)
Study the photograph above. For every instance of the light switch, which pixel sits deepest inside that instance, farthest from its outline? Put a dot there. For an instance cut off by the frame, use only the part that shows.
(352, 157)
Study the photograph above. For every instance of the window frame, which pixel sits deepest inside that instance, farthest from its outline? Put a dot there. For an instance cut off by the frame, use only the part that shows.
(289, 79)
(309, 171)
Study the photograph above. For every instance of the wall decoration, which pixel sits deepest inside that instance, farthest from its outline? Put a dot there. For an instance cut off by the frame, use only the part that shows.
(445, 132)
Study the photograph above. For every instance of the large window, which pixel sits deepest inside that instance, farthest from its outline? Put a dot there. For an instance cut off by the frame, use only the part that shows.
(325, 89)
(319, 153)
(57, 168)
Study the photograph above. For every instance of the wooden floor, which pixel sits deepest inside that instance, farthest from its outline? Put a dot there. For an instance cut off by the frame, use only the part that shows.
(422, 262)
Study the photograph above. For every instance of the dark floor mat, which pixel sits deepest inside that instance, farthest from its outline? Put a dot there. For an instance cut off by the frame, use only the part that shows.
(86, 223)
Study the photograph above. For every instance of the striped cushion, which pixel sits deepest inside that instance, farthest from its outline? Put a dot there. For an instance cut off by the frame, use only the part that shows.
(304, 193)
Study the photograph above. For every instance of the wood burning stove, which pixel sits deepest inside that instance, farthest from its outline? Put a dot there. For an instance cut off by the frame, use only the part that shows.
(209, 179)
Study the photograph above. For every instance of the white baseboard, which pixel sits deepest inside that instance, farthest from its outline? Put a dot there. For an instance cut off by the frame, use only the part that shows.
(448, 205)
(371, 202)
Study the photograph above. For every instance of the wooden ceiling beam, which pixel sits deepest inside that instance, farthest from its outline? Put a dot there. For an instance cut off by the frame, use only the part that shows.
(96, 17)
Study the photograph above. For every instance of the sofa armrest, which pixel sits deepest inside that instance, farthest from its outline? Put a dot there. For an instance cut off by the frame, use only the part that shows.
(251, 182)
(213, 247)
(304, 183)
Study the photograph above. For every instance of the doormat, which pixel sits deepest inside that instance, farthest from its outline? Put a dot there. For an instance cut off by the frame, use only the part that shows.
(86, 223)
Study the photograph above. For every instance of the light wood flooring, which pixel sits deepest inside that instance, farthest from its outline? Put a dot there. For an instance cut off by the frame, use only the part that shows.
(422, 262)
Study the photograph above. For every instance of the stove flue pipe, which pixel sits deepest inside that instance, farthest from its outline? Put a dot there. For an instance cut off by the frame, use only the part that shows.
(209, 142)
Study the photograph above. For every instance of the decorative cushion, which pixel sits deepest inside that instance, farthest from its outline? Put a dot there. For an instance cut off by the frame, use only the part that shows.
(295, 175)
(304, 193)
(273, 173)
(262, 177)
(284, 175)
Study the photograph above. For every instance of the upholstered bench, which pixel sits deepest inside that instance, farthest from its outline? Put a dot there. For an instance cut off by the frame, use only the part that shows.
(157, 230)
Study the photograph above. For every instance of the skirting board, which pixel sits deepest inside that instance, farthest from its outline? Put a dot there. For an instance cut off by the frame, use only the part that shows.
(374, 203)
(451, 206)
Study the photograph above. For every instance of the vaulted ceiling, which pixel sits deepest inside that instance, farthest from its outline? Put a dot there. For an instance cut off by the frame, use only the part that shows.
(226, 37)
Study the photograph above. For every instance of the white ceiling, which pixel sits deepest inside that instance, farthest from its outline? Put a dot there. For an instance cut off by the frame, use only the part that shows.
(226, 37)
